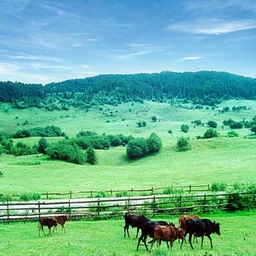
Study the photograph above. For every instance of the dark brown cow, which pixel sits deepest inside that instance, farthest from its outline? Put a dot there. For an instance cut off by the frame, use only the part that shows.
(46, 222)
(61, 219)
(167, 233)
(133, 220)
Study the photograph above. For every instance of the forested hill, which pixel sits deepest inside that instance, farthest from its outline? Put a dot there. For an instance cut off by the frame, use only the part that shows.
(204, 87)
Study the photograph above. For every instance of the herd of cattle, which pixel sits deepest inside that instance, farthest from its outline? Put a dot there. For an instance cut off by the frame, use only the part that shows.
(163, 231)
(157, 230)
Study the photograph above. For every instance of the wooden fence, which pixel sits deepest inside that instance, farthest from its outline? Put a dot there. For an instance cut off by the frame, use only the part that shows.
(110, 193)
(98, 208)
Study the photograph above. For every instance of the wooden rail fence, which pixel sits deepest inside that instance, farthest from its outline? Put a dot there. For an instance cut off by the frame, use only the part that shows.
(115, 207)
(110, 193)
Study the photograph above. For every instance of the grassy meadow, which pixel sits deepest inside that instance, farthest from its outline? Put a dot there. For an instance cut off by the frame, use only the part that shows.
(221, 159)
(218, 160)
(105, 238)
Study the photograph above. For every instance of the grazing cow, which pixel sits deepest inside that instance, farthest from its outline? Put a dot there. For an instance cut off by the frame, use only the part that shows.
(201, 228)
(133, 220)
(167, 233)
(61, 219)
(147, 229)
(46, 222)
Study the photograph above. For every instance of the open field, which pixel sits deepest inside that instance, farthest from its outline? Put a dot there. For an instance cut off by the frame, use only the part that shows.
(106, 238)
(222, 159)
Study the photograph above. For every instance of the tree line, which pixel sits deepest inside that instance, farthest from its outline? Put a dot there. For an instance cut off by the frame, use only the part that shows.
(204, 87)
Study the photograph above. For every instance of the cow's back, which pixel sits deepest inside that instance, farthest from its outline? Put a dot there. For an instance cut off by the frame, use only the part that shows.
(195, 226)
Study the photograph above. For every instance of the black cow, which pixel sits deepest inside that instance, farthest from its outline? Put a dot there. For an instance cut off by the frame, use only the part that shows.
(133, 220)
(147, 229)
(201, 228)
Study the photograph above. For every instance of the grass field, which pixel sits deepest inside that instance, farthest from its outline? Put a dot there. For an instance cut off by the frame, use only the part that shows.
(222, 159)
(219, 160)
(105, 238)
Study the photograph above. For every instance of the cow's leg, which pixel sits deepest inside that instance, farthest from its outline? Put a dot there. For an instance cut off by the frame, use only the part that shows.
(152, 243)
(137, 232)
(202, 240)
(49, 233)
(189, 239)
(184, 239)
(126, 230)
(210, 239)
(41, 227)
(139, 240)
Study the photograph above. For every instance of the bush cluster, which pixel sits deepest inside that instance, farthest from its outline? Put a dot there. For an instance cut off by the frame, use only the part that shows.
(140, 147)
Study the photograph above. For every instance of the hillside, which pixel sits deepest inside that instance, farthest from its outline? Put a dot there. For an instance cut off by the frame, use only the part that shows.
(205, 88)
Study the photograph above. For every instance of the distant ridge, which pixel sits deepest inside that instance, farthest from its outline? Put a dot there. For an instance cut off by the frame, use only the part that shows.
(202, 87)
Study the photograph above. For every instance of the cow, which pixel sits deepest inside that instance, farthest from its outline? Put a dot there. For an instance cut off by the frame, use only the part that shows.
(184, 218)
(133, 220)
(147, 229)
(61, 219)
(167, 233)
(201, 228)
(46, 222)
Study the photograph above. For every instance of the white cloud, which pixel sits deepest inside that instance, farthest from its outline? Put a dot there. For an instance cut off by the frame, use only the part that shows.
(213, 26)
(192, 58)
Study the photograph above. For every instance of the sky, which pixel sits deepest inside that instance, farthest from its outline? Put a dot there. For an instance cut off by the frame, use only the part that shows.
(44, 41)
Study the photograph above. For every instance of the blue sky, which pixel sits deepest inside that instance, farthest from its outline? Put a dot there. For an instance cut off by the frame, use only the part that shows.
(44, 41)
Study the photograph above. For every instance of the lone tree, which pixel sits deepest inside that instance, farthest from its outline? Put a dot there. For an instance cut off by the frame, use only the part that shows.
(184, 128)
(183, 144)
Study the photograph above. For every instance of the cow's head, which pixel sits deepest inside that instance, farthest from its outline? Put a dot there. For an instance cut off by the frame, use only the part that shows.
(217, 227)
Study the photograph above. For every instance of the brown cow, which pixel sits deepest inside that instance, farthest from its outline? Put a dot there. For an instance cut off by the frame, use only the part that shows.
(61, 219)
(46, 222)
(167, 233)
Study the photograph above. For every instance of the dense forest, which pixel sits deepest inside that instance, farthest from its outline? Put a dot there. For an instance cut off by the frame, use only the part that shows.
(204, 87)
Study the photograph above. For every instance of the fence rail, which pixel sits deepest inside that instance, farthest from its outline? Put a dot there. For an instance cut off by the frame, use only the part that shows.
(113, 207)
(131, 192)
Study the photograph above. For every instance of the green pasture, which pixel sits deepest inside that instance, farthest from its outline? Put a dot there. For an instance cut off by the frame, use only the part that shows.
(105, 238)
(222, 159)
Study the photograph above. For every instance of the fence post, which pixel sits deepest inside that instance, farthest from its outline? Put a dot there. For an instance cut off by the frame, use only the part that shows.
(128, 204)
(98, 208)
(39, 209)
(190, 188)
(7, 211)
(209, 188)
(70, 194)
(154, 206)
(180, 201)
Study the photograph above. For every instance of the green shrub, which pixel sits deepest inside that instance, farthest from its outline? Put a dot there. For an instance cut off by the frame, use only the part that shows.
(29, 196)
(239, 202)
(219, 187)
(5, 198)
(232, 134)
(183, 144)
